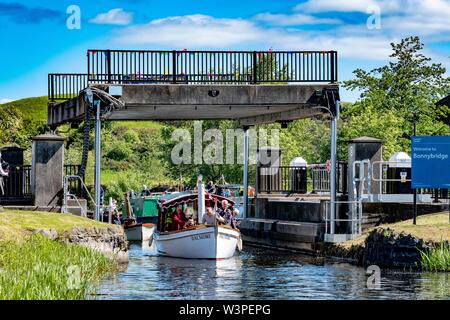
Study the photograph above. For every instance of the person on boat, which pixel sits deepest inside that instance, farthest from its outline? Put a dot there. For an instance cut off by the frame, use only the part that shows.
(145, 192)
(210, 218)
(178, 219)
(224, 211)
(233, 222)
(210, 187)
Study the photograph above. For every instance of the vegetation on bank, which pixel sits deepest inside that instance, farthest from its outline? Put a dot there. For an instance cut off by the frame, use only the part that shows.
(42, 269)
(430, 228)
(35, 267)
(16, 224)
(437, 258)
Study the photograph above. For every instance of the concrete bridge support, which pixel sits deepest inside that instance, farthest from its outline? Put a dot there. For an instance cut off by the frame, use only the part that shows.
(47, 170)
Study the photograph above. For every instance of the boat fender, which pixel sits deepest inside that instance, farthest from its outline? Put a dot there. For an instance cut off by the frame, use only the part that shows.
(150, 241)
(239, 244)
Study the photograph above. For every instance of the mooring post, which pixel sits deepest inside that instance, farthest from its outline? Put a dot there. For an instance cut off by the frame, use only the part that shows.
(97, 161)
(333, 190)
(246, 156)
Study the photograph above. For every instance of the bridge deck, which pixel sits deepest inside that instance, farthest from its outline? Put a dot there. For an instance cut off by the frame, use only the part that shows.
(251, 86)
(250, 104)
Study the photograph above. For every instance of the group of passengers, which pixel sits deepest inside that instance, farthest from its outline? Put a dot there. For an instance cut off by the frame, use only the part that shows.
(223, 215)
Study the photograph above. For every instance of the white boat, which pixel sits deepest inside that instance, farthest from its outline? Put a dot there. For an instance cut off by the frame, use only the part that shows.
(200, 241)
(140, 231)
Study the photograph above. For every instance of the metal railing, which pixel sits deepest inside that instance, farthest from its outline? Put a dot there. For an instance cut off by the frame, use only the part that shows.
(67, 180)
(17, 185)
(320, 175)
(65, 86)
(352, 209)
(152, 66)
(75, 185)
(286, 179)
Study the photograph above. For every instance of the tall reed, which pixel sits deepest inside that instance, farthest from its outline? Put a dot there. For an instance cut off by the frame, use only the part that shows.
(437, 258)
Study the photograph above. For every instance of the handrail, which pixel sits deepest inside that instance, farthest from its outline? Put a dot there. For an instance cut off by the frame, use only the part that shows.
(356, 216)
(66, 193)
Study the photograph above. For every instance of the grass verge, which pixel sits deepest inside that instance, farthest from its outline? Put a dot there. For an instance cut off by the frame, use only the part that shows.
(43, 269)
(33, 267)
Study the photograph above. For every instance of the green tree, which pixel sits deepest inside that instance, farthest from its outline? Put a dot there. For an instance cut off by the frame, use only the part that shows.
(394, 95)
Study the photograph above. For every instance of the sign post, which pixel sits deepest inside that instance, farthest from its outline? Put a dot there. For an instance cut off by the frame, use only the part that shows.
(430, 162)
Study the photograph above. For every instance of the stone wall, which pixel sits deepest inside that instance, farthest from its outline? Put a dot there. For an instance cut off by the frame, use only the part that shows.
(384, 248)
(387, 248)
(109, 241)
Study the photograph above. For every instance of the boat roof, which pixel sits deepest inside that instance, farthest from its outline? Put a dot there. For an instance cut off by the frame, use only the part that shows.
(189, 198)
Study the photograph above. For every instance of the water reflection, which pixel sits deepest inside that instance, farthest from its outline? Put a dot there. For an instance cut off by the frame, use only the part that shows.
(261, 274)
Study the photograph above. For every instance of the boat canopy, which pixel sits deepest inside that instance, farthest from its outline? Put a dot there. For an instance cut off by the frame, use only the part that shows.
(189, 198)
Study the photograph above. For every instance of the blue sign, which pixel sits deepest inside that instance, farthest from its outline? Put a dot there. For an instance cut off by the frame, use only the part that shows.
(430, 163)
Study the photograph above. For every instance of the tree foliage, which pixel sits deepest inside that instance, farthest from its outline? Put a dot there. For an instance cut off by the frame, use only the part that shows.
(394, 95)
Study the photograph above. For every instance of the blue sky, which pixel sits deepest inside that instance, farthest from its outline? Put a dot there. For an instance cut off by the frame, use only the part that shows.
(35, 39)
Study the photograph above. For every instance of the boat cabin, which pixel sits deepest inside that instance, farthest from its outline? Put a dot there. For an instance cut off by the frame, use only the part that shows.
(190, 208)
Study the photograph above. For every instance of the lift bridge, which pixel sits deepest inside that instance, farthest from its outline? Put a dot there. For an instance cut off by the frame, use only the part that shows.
(252, 87)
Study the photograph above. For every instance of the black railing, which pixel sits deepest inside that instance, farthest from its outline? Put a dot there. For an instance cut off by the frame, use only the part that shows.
(288, 179)
(131, 66)
(184, 67)
(74, 185)
(17, 185)
(320, 176)
(66, 86)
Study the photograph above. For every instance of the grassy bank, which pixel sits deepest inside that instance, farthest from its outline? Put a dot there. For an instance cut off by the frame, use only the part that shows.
(429, 227)
(35, 267)
(432, 229)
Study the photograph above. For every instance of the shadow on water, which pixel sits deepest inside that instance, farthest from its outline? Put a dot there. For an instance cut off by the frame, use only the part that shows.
(261, 274)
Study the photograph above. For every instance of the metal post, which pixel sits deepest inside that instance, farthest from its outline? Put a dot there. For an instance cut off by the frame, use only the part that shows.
(65, 188)
(97, 161)
(246, 155)
(415, 190)
(333, 168)
(174, 66)
(108, 64)
(255, 68)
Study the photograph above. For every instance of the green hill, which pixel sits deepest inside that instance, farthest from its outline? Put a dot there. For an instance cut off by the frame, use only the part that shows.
(22, 119)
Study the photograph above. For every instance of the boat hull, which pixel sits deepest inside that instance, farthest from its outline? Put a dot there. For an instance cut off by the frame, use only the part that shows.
(199, 243)
(139, 232)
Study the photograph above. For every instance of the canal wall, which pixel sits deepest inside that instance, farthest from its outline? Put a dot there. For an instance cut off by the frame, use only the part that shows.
(382, 247)
(296, 221)
(302, 236)
(111, 242)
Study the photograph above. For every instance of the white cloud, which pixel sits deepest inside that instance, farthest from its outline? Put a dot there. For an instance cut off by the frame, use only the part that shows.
(6, 100)
(114, 16)
(333, 5)
(191, 31)
(398, 17)
(293, 19)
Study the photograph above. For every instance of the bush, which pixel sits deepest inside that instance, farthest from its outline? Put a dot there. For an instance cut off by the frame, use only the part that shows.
(119, 152)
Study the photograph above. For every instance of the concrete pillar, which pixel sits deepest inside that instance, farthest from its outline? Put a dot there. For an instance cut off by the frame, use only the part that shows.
(47, 169)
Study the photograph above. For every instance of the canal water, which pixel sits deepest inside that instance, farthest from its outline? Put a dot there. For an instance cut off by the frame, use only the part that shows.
(259, 273)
